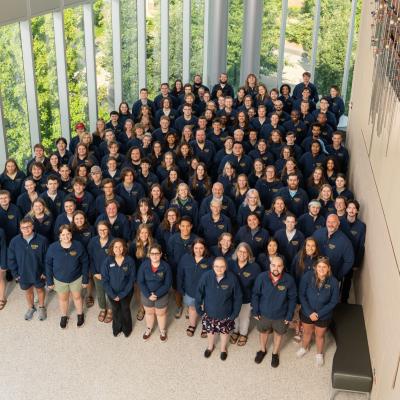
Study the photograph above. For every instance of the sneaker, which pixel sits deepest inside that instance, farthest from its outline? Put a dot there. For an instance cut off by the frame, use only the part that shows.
(81, 320)
(301, 352)
(147, 334)
(163, 336)
(319, 359)
(208, 352)
(260, 356)
(64, 322)
(29, 313)
(42, 313)
(275, 360)
(224, 355)
(178, 312)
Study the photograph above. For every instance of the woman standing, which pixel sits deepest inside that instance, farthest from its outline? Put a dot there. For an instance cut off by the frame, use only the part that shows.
(67, 271)
(168, 227)
(98, 251)
(12, 179)
(42, 219)
(25, 199)
(118, 275)
(319, 294)
(218, 301)
(155, 280)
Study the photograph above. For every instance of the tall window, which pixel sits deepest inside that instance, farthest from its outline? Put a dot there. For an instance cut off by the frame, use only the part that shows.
(175, 47)
(153, 48)
(13, 93)
(44, 53)
(129, 51)
(197, 38)
(76, 65)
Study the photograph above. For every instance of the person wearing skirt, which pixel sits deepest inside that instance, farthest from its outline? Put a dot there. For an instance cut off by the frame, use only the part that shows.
(218, 301)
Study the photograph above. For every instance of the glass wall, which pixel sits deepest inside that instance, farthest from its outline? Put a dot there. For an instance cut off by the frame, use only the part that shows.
(270, 35)
(298, 46)
(76, 65)
(153, 46)
(175, 47)
(235, 32)
(44, 54)
(197, 39)
(332, 42)
(13, 93)
(129, 51)
(104, 57)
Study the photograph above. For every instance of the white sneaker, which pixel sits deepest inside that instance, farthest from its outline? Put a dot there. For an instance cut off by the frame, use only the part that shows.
(319, 358)
(301, 351)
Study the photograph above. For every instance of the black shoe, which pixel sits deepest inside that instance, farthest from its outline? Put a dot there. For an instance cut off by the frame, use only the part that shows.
(64, 322)
(260, 356)
(224, 355)
(81, 320)
(208, 352)
(116, 333)
(9, 277)
(127, 334)
(275, 360)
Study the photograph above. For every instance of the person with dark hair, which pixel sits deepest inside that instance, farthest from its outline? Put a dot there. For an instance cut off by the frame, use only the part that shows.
(42, 219)
(295, 198)
(319, 295)
(12, 179)
(10, 216)
(53, 197)
(224, 247)
(306, 84)
(336, 103)
(223, 86)
(309, 222)
(83, 199)
(286, 98)
(26, 261)
(62, 152)
(167, 227)
(118, 274)
(27, 197)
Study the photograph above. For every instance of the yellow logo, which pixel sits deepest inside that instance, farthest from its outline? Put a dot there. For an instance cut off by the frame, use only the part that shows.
(354, 233)
(203, 266)
(331, 246)
(221, 226)
(46, 222)
(327, 286)
(188, 207)
(11, 216)
(295, 242)
(242, 164)
(73, 253)
(246, 274)
(34, 246)
(281, 287)
(296, 199)
(258, 239)
(160, 274)
(224, 287)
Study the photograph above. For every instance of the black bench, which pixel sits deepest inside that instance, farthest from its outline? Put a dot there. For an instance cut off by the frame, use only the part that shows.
(351, 367)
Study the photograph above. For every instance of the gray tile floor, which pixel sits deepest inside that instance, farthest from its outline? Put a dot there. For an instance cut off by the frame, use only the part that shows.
(39, 361)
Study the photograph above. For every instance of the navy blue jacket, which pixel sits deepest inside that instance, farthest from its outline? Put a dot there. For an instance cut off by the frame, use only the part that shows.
(338, 249)
(130, 198)
(257, 242)
(100, 203)
(242, 166)
(97, 254)
(158, 282)
(118, 279)
(298, 89)
(211, 231)
(26, 261)
(276, 302)
(84, 235)
(14, 186)
(24, 203)
(298, 204)
(44, 227)
(87, 205)
(221, 299)
(356, 232)
(190, 208)
(295, 268)
(120, 228)
(177, 247)
(321, 300)
(307, 225)
(246, 277)
(267, 191)
(137, 105)
(62, 219)
(181, 122)
(206, 155)
(9, 221)
(55, 206)
(228, 207)
(162, 236)
(264, 261)
(67, 265)
(272, 222)
(190, 272)
(308, 162)
(3, 249)
(244, 211)
(289, 249)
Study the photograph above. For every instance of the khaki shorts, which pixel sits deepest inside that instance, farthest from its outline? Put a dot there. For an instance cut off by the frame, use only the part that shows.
(266, 325)
(63, 287)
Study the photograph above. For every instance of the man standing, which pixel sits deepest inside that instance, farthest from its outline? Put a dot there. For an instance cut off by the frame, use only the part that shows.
(227, 89)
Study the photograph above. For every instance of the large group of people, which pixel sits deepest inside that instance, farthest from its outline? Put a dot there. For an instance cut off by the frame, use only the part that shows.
(238, 204)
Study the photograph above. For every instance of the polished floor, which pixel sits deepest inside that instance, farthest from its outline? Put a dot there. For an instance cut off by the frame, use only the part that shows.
(41, 361)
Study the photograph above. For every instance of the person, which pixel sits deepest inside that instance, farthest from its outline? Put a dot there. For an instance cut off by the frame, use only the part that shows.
(295, 198)
(264, 259)
(98, 251)
(242, 264)
(223, 86)
(9, 215)
(67, 271)
(191, 268)
(355, 230)
(26, 261)
(336, 103)
(167, 227)
(319, 295)
(289, 239)
(118, 273)
(155, 280)
(185, 203)
(129, 190)
(309, 222)
(298, 89)
(218, 302)
(273, 303)
(251, 204)
(341, 188)
(335, 245)
(53, 196)
(42, 219)
(12, 179)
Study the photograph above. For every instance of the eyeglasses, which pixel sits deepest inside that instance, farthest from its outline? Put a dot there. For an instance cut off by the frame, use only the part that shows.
(155, 254)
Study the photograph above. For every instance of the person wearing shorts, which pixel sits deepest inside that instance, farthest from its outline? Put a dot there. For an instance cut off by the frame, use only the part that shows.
(273, 303)
(67, 271)
(155, 280)
(319, 294)
(26, 261)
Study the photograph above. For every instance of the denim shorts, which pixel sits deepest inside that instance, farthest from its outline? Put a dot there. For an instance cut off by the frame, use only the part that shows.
(188, 301)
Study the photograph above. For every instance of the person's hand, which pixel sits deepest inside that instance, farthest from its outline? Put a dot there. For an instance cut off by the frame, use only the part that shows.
(153, 297)
(287, 322)
(50, 287)
(97, 276)
(17, 279)
(116, 298)
(257, 317)
(84, 285)
(42, 276)
(314, 316)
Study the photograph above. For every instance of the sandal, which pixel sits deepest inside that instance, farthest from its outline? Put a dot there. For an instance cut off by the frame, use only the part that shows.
(203, 334)
(3, 304)
(109, 317)
(102, 315)
(89, 301)
(140, 314)
(234, 337)
(242, 340)
(190, 330)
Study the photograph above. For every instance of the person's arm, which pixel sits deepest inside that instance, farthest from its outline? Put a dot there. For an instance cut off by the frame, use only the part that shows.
(84, 260)
(45, 246)
(255, 298)
(292, 297)
(199, 300)
(348, 258)
(49, 267)
(180, 278)
(105, 279)
(132, 276)
(3, 250)
(305, 306)
(237, 300)
(333, 301)
(142, 282)
(164, 288)
(12, 261)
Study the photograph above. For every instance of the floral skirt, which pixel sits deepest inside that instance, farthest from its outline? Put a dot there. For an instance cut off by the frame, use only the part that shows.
(214, 325)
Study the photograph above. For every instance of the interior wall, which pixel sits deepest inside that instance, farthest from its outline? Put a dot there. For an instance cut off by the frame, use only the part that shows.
(373, 174)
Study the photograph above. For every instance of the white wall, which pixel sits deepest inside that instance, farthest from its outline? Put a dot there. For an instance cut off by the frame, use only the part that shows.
(376, 182)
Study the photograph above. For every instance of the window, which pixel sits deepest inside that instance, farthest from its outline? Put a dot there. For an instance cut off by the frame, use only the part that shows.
(175, 47)
(153, 48)
(197, 39)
